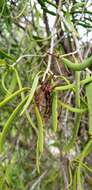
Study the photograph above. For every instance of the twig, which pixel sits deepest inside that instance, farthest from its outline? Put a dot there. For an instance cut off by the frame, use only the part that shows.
(87, 52)
(64, 55)
(69, 27)
(51, 52)
(38, 181)
(27, 55)
(52, 43)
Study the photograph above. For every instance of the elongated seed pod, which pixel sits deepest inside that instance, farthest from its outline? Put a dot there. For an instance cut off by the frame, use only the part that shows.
(89, 99)
(6, 100)
(72, 109)
(40, 130)
(54, 111)
(71, 86)
(33, 89)
(12, 84)
(76, 66)
(87, 150)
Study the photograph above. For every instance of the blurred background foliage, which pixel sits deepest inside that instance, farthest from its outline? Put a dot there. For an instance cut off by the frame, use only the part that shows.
(26, 33)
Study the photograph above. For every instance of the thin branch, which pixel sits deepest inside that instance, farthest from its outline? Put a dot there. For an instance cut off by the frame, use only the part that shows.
(38, 181)
(52, 44)
(26, 55)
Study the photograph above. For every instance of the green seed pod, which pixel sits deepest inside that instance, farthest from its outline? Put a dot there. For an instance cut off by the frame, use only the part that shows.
(89, 99)
(40, 130)
(76, 66)
(54, 111)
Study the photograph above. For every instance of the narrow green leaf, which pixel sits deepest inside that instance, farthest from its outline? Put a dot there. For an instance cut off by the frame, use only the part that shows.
(40, 130)
(54, 111)
(6, 100)
(4, 55)
(89, 99)
(87, 149)
(71, 86)
(33, 89)
(12, 83)
(37, 158)
(22, 97)
(19, 82)
(72, 109)
(8, 123)
(3, 82)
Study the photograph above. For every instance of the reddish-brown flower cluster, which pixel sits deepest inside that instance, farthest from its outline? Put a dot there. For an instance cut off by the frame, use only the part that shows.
(43, 97)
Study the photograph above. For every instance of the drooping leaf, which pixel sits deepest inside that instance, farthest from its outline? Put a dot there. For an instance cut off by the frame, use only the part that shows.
(33, 89)
(54, 111)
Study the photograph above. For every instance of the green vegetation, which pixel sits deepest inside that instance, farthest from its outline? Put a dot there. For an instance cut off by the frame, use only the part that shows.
(45, 95)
